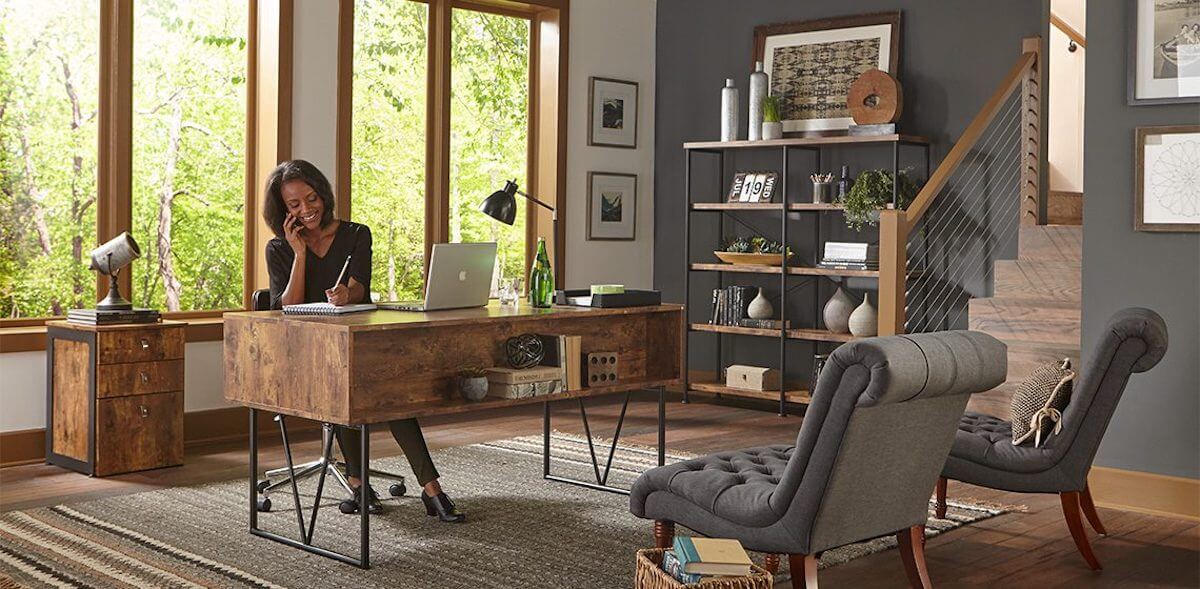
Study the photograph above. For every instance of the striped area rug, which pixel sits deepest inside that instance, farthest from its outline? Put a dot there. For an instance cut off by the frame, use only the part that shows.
(522, 531)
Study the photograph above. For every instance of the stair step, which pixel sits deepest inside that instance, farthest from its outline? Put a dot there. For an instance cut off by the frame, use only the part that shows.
(1037, 279)
(1052, 243)
(1026, 320)
(1064, 208)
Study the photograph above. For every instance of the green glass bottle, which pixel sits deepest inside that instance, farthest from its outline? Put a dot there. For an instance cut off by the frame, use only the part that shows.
(541, 278)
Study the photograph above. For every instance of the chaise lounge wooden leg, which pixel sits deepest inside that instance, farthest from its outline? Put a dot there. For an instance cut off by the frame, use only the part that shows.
(939, 509)
(804, 571)
(1073, 512)
(771, 562)
(664, 533)
(912, 552)
(1089, 511)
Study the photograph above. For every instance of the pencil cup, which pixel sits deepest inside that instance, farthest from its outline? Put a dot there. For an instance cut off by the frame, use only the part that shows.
(822, 192)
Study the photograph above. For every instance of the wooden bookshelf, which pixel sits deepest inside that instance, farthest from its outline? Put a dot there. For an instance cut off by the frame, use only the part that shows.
(765, 206)
(792, 393)
(809, 141)
(794, 270)
(812, 335)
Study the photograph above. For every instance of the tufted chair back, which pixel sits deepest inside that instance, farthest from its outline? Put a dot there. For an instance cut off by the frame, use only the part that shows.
(877, 431)
(1134, 340)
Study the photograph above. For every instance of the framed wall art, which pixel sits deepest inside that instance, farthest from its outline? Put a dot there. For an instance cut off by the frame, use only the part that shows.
(1167, 178)
(612, 112)
(612, 206)
(811, 65)
(1164, 52)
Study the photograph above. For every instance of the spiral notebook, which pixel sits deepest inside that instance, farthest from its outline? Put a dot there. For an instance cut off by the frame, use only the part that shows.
(326, 309)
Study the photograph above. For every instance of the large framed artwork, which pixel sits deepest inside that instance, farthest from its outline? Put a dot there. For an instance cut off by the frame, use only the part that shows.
(612, 112)
(812, 64)
(1164, 52)
(1167, 191)
(612, 206)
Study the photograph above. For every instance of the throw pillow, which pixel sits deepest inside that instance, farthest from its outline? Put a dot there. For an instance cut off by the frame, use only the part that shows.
(1039, 401)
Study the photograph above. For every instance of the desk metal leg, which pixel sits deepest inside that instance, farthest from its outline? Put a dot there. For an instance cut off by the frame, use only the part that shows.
(306, 533)
(601, 483)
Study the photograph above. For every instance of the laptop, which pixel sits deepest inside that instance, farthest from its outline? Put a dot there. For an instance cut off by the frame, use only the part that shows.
(460, 276)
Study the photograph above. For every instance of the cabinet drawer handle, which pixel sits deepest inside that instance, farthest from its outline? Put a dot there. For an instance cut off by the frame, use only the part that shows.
(145, 344)
(145, 377)
(144, 410)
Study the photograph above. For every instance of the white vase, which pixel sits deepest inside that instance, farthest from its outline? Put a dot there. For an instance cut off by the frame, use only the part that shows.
(837, 312)
(729, 111)
(760, 307)
(758, 89)
(864, 321)
(772, 130)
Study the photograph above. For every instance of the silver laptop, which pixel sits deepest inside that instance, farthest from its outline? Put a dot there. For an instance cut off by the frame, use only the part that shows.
(460, 276)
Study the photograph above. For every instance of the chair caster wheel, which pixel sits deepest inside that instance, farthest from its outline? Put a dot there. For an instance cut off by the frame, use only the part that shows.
(264, 504)
(348, 506)
(262, 485)
(397, 490)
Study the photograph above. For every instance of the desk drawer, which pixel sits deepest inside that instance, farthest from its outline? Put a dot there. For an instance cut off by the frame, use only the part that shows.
(138, 432)
(139, 378)
(139, 345)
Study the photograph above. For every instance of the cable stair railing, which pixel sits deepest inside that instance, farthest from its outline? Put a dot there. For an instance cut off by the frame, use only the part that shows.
(938, 254)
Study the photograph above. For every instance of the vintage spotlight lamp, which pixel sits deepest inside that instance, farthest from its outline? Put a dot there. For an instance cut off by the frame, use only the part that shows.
(502, 205)
(108, 259)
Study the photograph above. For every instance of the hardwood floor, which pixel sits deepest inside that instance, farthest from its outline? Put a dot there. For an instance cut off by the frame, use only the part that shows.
(1022, 549)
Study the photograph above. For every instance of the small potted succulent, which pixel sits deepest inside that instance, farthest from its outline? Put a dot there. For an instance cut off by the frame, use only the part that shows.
(871, 193)
(772, 128)
(753, 250)
(473, 383)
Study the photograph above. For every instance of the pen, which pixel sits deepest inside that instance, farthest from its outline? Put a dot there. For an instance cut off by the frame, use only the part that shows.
(342, 274)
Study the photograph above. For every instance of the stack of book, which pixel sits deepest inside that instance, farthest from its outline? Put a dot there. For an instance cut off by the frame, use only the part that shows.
(99, 317)
(514, 383)
(729, 308)
(692, 559)
(566, 353)
(841, 255)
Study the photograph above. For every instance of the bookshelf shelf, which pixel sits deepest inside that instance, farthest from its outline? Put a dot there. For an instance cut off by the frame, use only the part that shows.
(812, 335)
(792, 393)
(793, 270)
(833, 140)
(767, 206)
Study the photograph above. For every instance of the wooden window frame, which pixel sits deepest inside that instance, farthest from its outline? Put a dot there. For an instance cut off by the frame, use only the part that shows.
(546, 155)
(114, 168)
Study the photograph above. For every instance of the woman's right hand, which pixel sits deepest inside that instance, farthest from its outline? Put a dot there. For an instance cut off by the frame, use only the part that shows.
(291, 231)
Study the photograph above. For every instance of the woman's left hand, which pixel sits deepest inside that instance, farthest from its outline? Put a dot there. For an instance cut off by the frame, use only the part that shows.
(338, 295)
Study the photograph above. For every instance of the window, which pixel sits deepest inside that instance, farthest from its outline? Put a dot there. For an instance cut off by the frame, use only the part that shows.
(387, 162)
(189, 138)
(489, 128)
(49, 93)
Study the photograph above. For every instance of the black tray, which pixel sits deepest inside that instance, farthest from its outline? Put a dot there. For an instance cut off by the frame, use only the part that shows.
(629, 298)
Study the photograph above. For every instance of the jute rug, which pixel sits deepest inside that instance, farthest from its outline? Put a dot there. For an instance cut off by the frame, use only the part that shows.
(522, 531)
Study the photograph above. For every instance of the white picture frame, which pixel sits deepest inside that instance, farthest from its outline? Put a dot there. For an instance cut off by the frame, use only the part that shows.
(612, 206)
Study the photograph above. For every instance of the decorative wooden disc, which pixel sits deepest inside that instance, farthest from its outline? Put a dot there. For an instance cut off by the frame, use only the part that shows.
(875, 98)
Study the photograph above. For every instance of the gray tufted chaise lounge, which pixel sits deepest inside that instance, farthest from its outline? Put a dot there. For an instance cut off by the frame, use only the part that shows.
(873, 440)
(983, 453)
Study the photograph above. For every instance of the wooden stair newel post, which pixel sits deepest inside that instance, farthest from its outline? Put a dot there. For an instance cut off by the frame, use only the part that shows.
(893, 262)
(1031, 134)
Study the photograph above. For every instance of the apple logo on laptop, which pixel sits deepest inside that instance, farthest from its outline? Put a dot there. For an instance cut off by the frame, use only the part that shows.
(462, 276)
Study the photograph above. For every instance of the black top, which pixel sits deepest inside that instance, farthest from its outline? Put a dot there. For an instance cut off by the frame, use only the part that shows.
(320, 273)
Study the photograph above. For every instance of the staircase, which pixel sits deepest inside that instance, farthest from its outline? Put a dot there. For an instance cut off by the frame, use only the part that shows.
(1034, 308)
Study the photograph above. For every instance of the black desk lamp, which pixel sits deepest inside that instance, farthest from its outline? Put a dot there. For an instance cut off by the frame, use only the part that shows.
(502, 205)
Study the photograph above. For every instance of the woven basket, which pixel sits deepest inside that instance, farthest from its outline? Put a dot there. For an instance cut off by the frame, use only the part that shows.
(650, 576)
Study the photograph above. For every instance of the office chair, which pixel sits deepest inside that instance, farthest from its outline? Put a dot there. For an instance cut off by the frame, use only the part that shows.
(261, 301)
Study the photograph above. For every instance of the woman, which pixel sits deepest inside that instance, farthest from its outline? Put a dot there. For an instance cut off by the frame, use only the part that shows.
(304, 261)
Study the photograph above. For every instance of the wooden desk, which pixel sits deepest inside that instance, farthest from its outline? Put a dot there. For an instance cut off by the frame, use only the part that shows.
(365, 368)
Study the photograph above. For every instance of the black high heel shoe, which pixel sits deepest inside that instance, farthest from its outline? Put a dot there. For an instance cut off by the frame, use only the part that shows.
(441, 506)
(374, 505)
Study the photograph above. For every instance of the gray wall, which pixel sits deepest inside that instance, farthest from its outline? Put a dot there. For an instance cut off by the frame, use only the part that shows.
(952, 57)
(1157, 426)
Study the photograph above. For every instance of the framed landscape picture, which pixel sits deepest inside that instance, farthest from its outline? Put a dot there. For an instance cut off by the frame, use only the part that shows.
(1167, 178)
(1164, 52)
(612, 206)
(612, 113)
(810, 65)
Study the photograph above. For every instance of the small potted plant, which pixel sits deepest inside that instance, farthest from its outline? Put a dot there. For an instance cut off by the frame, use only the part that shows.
(871, 193)
(772, 128)
(473, 383)
(753, 250)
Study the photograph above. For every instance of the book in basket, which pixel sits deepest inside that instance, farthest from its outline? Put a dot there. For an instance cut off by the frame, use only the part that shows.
(712, 556)
(672, 566)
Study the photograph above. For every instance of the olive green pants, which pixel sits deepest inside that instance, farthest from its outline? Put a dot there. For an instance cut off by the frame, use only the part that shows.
(407, 433)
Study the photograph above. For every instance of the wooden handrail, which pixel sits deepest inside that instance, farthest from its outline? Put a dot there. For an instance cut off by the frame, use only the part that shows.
(967, 140)
(1068, 30)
